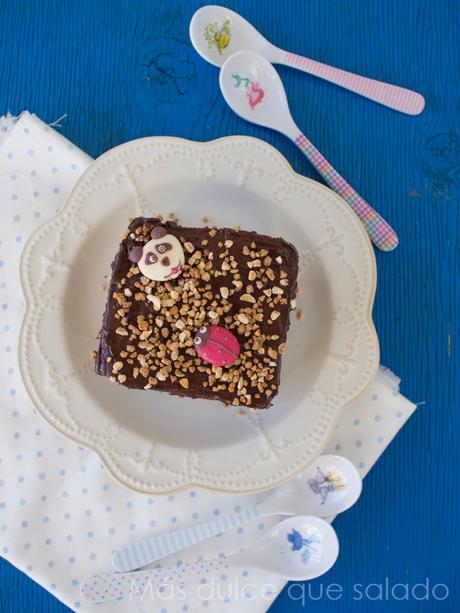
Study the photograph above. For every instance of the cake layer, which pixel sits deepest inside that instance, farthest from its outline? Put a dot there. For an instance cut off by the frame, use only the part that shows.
(241, 281)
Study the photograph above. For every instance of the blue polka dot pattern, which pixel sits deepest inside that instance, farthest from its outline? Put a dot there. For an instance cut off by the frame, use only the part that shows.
(56, 500)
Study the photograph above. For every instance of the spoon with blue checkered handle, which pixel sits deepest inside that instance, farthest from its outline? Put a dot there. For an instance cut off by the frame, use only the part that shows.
(299, 548)
(329, 486)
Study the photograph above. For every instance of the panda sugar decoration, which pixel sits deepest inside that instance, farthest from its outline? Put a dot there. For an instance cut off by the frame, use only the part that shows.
(162, 258)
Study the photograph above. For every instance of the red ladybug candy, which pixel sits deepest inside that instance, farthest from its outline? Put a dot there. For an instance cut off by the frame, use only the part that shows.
(216, 345)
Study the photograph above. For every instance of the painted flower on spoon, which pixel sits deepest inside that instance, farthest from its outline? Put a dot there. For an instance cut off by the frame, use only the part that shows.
(216, 36)
(302, 544)
(254, 92)
(325, 483)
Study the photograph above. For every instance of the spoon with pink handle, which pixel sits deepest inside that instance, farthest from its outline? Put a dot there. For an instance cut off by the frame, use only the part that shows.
(299, 548)
(217, 32)
(253, 89)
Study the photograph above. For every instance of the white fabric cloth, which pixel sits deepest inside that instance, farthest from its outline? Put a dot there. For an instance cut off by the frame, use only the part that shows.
(61, 514)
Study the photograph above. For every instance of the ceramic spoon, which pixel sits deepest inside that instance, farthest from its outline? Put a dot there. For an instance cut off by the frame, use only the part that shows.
(298, 548)
(217, 32)
(330, 486)
(253, 89)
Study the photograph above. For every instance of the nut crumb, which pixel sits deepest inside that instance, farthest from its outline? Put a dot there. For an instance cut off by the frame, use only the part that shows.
(300, 314)
(155, 301)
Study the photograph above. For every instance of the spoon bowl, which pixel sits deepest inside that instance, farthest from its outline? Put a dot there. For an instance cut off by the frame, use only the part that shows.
(217, 32)
(299, 548)
(328, 487)
(254, 91)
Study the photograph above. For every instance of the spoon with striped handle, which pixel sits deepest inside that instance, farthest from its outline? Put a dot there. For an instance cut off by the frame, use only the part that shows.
(299, 548)
(253, 89)
(217, 32)
(330, 486)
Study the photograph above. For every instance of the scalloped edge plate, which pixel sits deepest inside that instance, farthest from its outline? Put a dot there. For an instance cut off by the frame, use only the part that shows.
(156, 443)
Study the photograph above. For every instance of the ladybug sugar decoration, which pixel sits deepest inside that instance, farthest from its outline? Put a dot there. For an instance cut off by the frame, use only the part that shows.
(161, 258)
(217, 345)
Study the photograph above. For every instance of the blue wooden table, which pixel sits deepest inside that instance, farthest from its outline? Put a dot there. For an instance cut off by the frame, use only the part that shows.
(126, 69)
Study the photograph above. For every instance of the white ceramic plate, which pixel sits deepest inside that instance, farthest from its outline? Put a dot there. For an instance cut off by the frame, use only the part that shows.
(156, 443)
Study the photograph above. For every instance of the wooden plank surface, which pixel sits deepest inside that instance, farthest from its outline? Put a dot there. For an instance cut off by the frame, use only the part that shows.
(125, 69)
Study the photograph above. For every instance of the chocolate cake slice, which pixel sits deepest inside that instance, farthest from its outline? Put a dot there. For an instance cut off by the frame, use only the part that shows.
(198, 312)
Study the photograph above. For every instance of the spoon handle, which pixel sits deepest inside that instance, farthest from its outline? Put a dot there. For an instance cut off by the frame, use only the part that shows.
(141, 584)
(393, 96)
(380, 232)
(155, 548)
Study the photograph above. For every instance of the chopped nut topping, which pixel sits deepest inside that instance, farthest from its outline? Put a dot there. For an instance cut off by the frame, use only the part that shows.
(274, 315)
(155, 301)
(121, 331)
(243, 318)
(224, 292)
(300, 314)
(248, 298)
(184, 383)
(117, 366)
(189, 247)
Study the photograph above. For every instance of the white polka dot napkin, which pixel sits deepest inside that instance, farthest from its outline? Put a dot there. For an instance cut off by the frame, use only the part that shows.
(61, 514)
